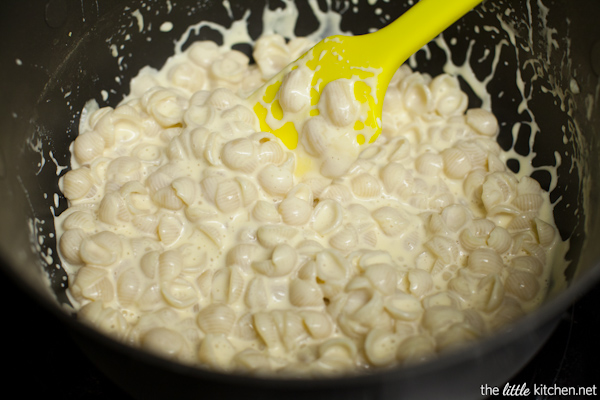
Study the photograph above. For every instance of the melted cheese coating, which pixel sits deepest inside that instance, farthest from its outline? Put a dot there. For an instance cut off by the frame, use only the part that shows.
(195, 235)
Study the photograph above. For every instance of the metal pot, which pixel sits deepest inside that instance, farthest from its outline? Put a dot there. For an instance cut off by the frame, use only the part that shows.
(546, 62)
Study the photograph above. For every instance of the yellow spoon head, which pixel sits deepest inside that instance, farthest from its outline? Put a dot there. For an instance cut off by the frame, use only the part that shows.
(334, 58)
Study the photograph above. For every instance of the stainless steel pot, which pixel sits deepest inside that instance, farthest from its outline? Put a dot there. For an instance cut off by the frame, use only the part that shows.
(58, 56)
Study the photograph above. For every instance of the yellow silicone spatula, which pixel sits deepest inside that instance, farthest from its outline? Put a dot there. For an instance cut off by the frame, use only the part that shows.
(369, 61)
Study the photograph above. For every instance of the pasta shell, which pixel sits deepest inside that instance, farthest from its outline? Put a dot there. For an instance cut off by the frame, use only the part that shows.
(498, 188)
(545, 232)
(470, 241)
(443, 248)
(277, 180)
(203, 52)
(443, 83)
(528, 202)
(381, 347)
(158, 180)
(179, 293)
(166, 197)
(271, 235)
(338, 347)
(305, 293)
(128, 287)
(308, 271)
(104, 126)
(490, 293)
(170, 229)
(185, 189)
(69, 245)
(391, 221)
(447, 299)
(92, 283)
(151, 298)
(482, 121)
(227, 285)
(113, 210)
(535, 250)
(211, 233)
(265, 211)
(170, 265)
(417, 97)
(270, 151)
(452, 103)
(485, 262)
(419, 282)
(373, 307)
(345, 239)
(383, 277)
(228, 196)
(313, 138)
(149, 264)
(295, 211)
(124, 169)
(242, 114)
(399, 149)
(253, 360)
(338, 192)
(520, 223)
(88, 146)
(240, 155)
(483, 226)
(339, 103)
(188, 76)
(403, 306)
(230, 67)
(476, 155)
(146, 223)
(331, 266)
(293, 92)
(216, 319)
(256, 297)
(456, 163)
(244, 328)
(204, 283)
(79, 220)
(455, 336)
(266, 328)
(163, 341)
(528, 185)
(415, 349)
(436, 319)
(528, 264)
(429, 164)
(105, 319)
(216, 351)
(317, 323)
(291, 328)
(103, 248)
(199, 214)
(247, 189)
(77, 183)
(243, 254)
(509, 311)
(523, 285)
(365, 186)
(499, 240)
(283, 261)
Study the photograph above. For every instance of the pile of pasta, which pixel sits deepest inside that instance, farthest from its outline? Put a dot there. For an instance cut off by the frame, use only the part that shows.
(192, 234)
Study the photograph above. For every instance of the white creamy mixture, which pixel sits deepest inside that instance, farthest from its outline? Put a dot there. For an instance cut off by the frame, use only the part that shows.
(192, 234)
